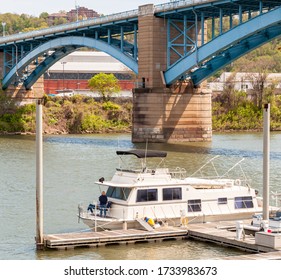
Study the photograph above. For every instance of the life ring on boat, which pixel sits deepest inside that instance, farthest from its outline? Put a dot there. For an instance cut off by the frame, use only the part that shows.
(237, 182)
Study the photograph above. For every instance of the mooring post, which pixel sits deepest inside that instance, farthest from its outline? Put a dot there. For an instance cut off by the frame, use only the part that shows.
(39, 176)
(266, 148)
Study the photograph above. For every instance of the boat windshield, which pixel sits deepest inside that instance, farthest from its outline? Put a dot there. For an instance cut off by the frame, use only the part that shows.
(118, 193)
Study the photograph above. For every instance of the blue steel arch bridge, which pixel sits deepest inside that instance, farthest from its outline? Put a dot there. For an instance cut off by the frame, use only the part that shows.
(235, 27)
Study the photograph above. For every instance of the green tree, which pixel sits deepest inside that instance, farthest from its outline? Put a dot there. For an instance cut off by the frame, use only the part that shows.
(104, 84)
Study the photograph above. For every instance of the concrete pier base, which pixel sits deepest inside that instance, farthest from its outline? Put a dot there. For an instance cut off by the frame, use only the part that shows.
(163, 115)
(20, 94)
(18, 91)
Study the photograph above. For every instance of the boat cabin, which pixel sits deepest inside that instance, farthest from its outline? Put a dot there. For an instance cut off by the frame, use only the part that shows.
(162, 193)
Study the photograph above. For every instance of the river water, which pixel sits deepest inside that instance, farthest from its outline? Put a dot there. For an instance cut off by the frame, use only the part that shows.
(73, 163)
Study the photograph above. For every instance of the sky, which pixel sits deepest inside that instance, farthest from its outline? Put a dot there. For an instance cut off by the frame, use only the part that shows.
(35, 8)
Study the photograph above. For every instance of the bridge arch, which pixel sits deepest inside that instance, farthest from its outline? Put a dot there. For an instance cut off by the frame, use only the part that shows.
(62, 47)
(232, 45)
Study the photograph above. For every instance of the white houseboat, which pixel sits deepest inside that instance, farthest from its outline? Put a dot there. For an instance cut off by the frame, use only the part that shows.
(169, 197)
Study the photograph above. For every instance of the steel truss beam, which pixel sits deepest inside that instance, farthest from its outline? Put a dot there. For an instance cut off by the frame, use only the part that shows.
(179, 43)
(233, 53)
(61, 47)
(245, 32)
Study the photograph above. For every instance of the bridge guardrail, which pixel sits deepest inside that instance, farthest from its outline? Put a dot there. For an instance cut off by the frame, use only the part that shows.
(94, 21)
(177, 4)
(69, 26)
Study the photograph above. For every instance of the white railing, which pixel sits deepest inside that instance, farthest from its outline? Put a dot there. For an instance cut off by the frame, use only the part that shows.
(178, 4)
(178, 173)
(277, 197)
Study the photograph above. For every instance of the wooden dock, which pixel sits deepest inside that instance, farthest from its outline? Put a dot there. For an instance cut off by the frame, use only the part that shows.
(94, 239)
(223, 234)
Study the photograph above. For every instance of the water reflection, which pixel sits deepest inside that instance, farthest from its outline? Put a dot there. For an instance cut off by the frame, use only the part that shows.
(165, 250)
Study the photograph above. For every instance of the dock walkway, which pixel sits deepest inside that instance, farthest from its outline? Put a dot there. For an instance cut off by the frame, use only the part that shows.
(94, 239)
(223, 234)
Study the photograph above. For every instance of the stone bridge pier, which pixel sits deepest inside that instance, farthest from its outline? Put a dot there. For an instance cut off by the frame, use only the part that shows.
(17, 90)
(160, 114)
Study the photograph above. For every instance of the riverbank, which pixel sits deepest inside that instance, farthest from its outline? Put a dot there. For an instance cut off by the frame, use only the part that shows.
(69, 115)
(86, 115)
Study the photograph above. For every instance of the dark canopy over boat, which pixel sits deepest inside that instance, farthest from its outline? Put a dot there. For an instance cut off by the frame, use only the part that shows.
(142, 153)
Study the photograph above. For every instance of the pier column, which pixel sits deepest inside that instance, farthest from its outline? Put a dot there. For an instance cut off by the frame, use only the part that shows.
(152, 42)
(171, 117)
(161, 114)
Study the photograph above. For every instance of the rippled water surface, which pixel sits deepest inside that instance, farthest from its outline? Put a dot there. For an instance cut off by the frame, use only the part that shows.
(73, 163)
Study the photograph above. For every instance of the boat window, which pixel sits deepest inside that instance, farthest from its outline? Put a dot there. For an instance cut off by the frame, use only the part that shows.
(222, 200)
(119, 193)
(172, 193)
(243, 202)
(194, 205)
(147, 195)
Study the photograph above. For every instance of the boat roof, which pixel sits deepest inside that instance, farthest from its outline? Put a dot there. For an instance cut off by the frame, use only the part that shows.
(143, 153)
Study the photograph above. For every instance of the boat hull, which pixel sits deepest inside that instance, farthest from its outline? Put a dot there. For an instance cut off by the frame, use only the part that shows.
(99, 224)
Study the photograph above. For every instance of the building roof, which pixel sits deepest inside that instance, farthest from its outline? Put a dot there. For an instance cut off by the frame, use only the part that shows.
(89, 62)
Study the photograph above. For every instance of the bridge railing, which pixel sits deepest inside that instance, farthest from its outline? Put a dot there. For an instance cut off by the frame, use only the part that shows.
(95, 21)
(177, 4)
(69, 26)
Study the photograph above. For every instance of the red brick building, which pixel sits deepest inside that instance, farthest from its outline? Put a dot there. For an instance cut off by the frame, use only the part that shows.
(83, 13)
(73, 72)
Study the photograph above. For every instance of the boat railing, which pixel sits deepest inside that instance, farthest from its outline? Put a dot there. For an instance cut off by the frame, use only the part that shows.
(276, 196)
(204, 170)
(178, 173)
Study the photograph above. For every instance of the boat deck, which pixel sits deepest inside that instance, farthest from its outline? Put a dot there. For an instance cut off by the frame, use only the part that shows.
(223, 233)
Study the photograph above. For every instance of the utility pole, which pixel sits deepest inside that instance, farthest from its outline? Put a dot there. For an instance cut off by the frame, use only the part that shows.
(77, 11)
(4, 25)
(39, 176)
(266, 144)
(63, 63)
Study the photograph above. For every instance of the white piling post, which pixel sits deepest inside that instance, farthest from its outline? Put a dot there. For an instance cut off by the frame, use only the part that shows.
(96, 207)
(266, 148)
(39, 176)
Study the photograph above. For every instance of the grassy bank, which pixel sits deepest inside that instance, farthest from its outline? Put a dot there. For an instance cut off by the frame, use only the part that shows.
(73, 115)
(238, 113)
(78, 115)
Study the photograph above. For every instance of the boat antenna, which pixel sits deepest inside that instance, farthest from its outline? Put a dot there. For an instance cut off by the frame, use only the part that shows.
(238, 163)
(204, 165)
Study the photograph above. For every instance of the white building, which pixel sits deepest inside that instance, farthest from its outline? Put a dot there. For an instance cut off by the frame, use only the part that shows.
(89, 62)
(243, 81)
